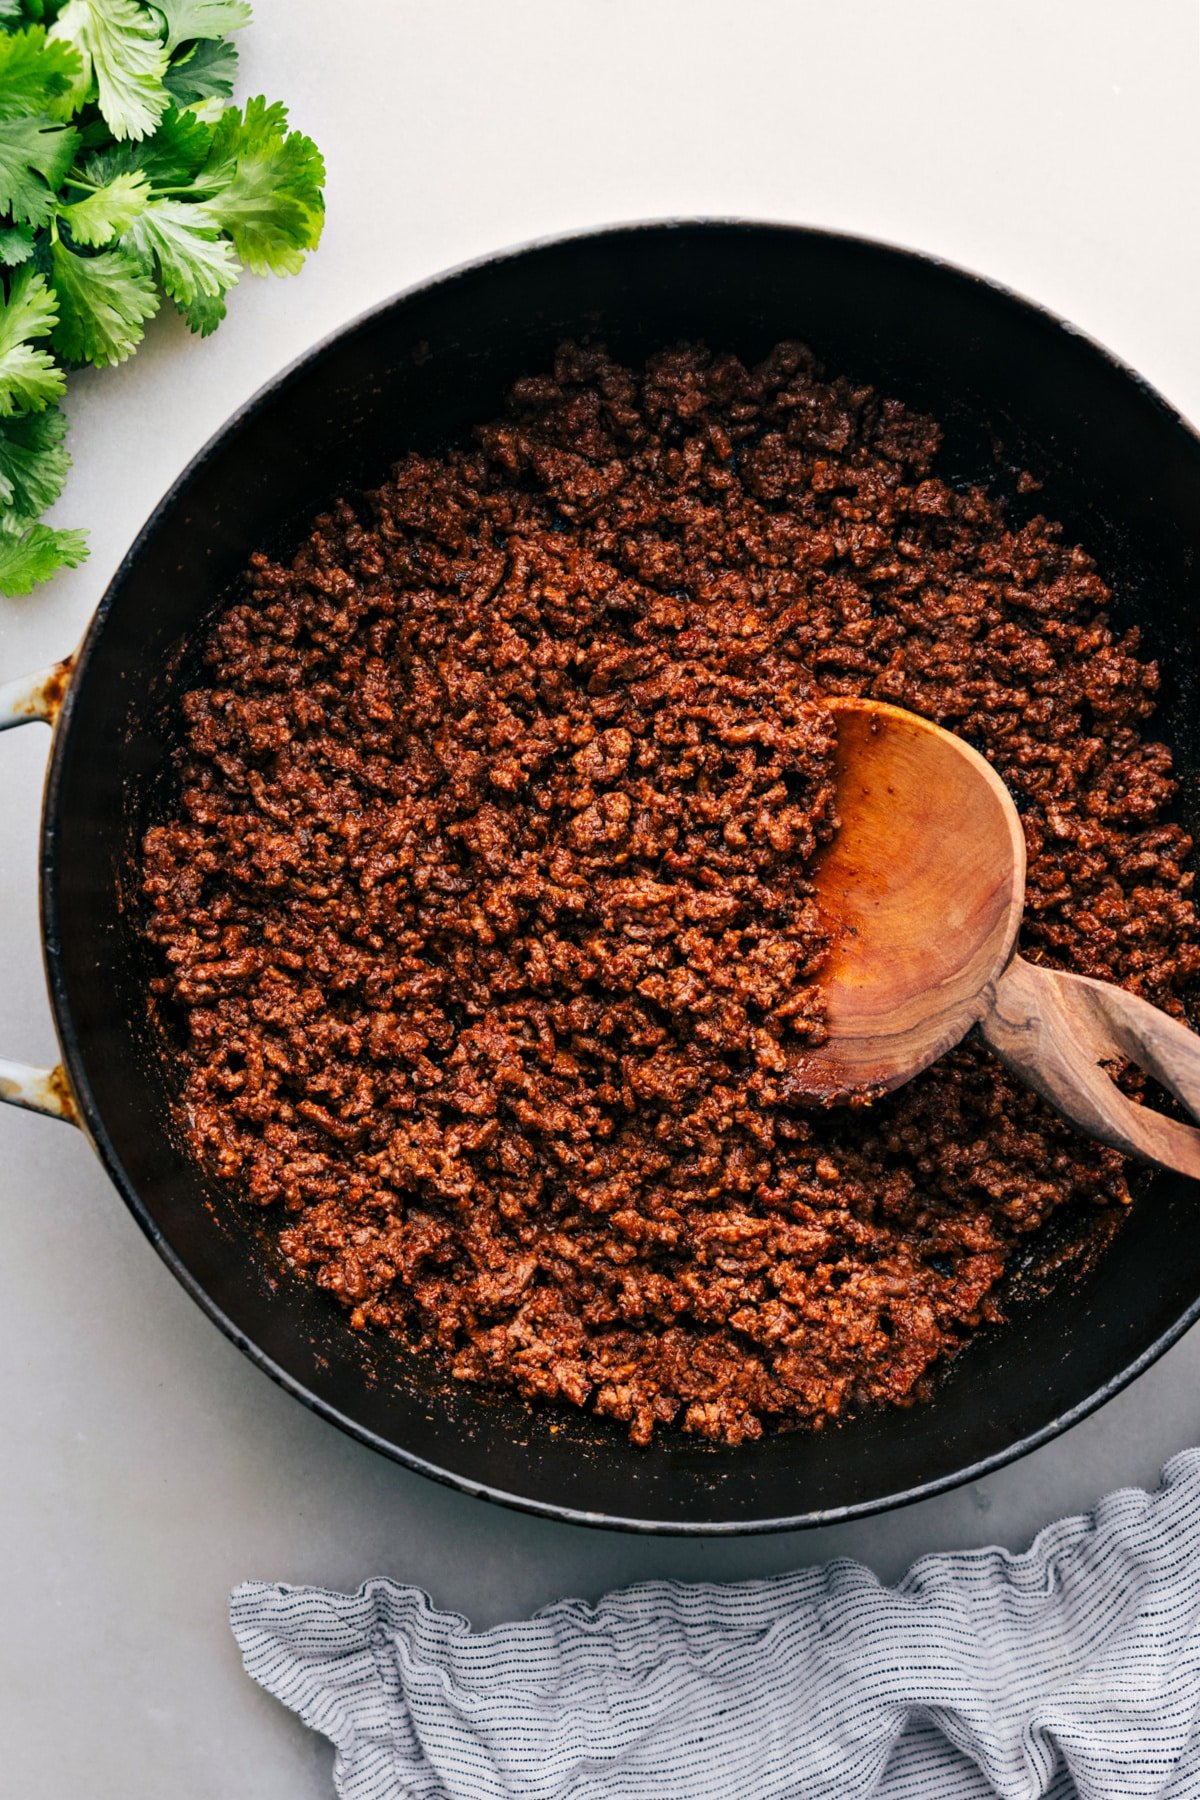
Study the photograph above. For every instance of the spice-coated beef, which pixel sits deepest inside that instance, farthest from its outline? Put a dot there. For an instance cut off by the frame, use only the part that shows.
(484, 910)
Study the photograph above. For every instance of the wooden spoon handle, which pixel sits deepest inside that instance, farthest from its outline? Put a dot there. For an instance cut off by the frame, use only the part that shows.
(1055, 1031)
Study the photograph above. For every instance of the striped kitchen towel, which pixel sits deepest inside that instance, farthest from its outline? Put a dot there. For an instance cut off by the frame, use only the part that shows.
(1073, 1670)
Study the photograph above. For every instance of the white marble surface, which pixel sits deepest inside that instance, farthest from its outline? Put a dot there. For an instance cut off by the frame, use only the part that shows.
(146, 1465)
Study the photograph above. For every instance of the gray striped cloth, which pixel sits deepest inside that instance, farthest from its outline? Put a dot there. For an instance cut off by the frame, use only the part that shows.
(1073, 1670)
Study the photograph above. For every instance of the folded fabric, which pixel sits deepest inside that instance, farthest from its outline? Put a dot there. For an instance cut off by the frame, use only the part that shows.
(1072, 1670)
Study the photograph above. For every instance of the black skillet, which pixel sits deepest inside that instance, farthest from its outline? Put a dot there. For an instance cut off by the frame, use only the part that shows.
(1015, 388)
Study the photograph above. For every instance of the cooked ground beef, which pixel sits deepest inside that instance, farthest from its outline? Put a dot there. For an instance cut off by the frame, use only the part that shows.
(484, 915)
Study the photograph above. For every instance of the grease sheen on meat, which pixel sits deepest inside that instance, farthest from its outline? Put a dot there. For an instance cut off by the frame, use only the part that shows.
(483, 912)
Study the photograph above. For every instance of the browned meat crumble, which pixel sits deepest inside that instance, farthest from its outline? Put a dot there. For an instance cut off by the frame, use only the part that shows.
(484, 914)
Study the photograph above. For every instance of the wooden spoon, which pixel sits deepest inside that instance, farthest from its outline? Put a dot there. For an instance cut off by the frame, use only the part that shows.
(925, 883)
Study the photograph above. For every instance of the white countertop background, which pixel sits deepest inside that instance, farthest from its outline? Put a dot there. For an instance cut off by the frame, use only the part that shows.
(146, 1466)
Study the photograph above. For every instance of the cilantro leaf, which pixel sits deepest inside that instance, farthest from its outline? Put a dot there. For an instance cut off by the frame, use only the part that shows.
(104, 301)
(171, 157)
(195, 264)
(123, 56)
(207, 73)
(33, 463)
(187, 19)
(29, 376)
(108, 212)
(9, 9)
(29, 311)
(35, 555)
(34, 74)
(34, 159)
(263, 186)
(16, 245)
(204, 313)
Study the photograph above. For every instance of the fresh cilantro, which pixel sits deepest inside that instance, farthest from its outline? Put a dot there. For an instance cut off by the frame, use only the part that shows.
(170, 158)
(187, 19)
(204, 313)
(35, 74)
(34, 159)
(124, 61)
(16, 245)
(262, 184)
(125, 175)
(104, 302)
(33, 463)
(29, 376)
(34, 555)
(207, 72)
(195, 265)
(108, 212)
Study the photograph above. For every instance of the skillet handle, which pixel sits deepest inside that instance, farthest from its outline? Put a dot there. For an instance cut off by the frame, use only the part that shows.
(33, 697)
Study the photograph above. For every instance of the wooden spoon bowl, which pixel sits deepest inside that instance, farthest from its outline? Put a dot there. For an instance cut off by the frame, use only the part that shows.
(924, 883)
